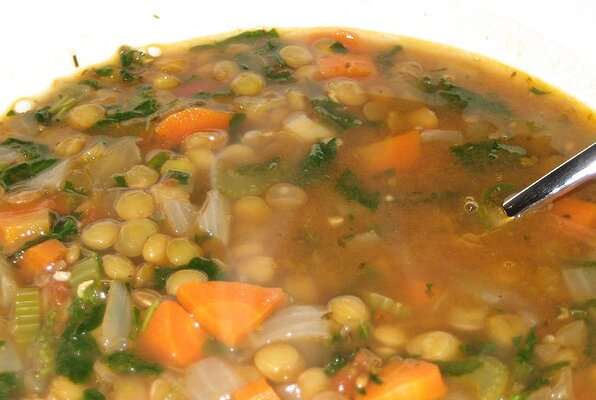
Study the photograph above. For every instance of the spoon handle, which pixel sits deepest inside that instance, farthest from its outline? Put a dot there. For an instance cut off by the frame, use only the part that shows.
(567, 176)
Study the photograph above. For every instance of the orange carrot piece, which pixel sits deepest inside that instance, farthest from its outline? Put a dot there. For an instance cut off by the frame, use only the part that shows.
(575, 210)
(257, 390)
(175, 127)
(18, 227)
(229, 310)
(172, 337)
(406, 380)
(399, 153)
(348, 65)
(38, 258)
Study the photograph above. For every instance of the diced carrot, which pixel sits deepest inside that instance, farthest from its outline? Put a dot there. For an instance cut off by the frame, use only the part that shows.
(172, 337)
(347, 65)
(18, 227)
(229, 310)
(39, 258)
(575, 210)
(175, 127)
(257, 390)
(407, 380)
(399, 153)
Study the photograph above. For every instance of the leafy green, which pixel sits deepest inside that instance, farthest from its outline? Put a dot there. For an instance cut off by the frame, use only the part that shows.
(93, 394)
(334, 113)
(69, 187)
(120, 181)
(67, 99)
(587, 312)
(104, 72)
(77, 350)
(213, 95)
(279, 74)
(206, 265)
(28, 150)
(125, 362)
(337, 362)
(538, 92)
(92, 83)
(459, 367)
(259, 168)
(496, 194)
(9, 386)
(524, 346)
(158, 160)
(179, 176)
(63, 229)
(338, 47)
(478, 348)
(235, 123)
(129, 60)
(349, 186)
(461, 98)
(23, 171)
(246, 36)
(386, 59)
(251, 179)
(318, 160)
(144, 109)
(476, 156)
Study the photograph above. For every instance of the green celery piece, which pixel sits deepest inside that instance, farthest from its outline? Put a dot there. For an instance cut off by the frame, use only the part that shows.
(27, 315)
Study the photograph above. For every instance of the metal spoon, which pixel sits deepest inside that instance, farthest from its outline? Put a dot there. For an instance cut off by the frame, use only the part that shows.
(567, 176)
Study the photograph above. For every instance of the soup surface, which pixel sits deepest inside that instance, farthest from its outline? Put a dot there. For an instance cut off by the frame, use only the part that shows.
(298, 215)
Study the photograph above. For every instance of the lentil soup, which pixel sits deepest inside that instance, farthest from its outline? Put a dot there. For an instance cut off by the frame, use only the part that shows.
(302, 214)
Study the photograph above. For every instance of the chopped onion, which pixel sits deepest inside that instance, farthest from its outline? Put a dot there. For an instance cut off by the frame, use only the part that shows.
(120, 156)
(212, 379)
(8, 286)
(293, 323)
(8, 156)
(561, 389)
(215, 216)
(117, 319)
(9, 358)
(363, 240)
(306, 129)
(52, 178)
(178, 214)
(386, 304)
(440, 135)
(581, 283)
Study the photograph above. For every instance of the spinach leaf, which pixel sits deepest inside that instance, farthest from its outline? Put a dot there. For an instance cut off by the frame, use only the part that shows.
(213, 95)
(141, 110)
(279, 74)
(386, 59)
(120, 181)
(206, 265)
(64, 229)
(125, 362)
(179, 176)
(244, 37)
(496, 194)
(459, 367)
(349, 186)
(338, 47)
(479, 155)
(334, 113)
(158, 160)
(92, 83)
(478, 348)
(93, 394)
(23, 171)
(9, 386)
(104, 72)
(524, 346)
(337, 362)
(69, 187)
(318, 160)
(235, 123)
(67, 99)
(130, 59)
(28, 150)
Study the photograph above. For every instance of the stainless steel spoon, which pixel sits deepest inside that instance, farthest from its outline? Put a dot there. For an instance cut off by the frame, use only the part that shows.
(567, 176)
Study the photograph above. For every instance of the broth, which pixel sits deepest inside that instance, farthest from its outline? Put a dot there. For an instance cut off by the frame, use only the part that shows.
(303, 214)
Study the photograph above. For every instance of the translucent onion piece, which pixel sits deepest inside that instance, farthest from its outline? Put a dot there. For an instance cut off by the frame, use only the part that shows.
(386, 304)
(9, 358)
(117, 320)
(306, 129)
(8, 156)
(8, 286)
(120, 156)
(490, 380)
(215, 216)
(212, 379)
(561, 389)
(440, 135)
(51, 179)
(581, 283)
(292, 323)
(179, 215)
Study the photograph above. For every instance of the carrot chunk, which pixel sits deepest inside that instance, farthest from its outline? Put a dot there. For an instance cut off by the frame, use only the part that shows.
(38, 258)
(399, 153)
(18, 227)
(406, 380)
(172, 337)
(175, 127)
(575, 210)
(257, 390)
(229, 310)
(348, 65)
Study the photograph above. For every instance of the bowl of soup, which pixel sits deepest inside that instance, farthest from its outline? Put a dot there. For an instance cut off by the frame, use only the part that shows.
(283, 213)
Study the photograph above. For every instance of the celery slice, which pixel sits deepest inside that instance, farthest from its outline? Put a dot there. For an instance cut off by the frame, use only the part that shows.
(88, 269)
(386, 304)
(27, 315)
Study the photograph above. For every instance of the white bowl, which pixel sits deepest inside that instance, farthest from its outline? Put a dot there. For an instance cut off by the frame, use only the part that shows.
(550, 40)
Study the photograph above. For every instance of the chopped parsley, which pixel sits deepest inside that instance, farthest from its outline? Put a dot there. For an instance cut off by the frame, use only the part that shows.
(93, 394)
(476, 156)
(334, 113)
(350, 187)
(524, 346)
(125, 362)
(120, 181)
(337, 362)
(69, 187)
(104, 72)
(244, 37)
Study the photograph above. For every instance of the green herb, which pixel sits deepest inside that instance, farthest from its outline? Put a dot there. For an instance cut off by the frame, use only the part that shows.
(92, 83)
(63, 229)
(386, 60)
(338, 47)
(235, 123)
(93, 394)
(318, 161)
(28, 150)
(496, 194)
(478, 348)
(247, 36)
(104, 72)
(120, 181)
(9, 386)
(259, 168)
(129, 60)
(125, 362)
(334, 113)
(459, 367)
(206, 265)
(481, 154)
(524, 347)
(141, 110)
(11, 113)
(364, 331)
(77, 350)
(158, 160)
(69, 187)
(461, 98)
(23, 171)
(213, 95)
(349, 186)
(429, 289)
(376, 379)
(278, 74)
(337, 362)
(179, 176)
(538, 92)
(67, 99)
(542, 377)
